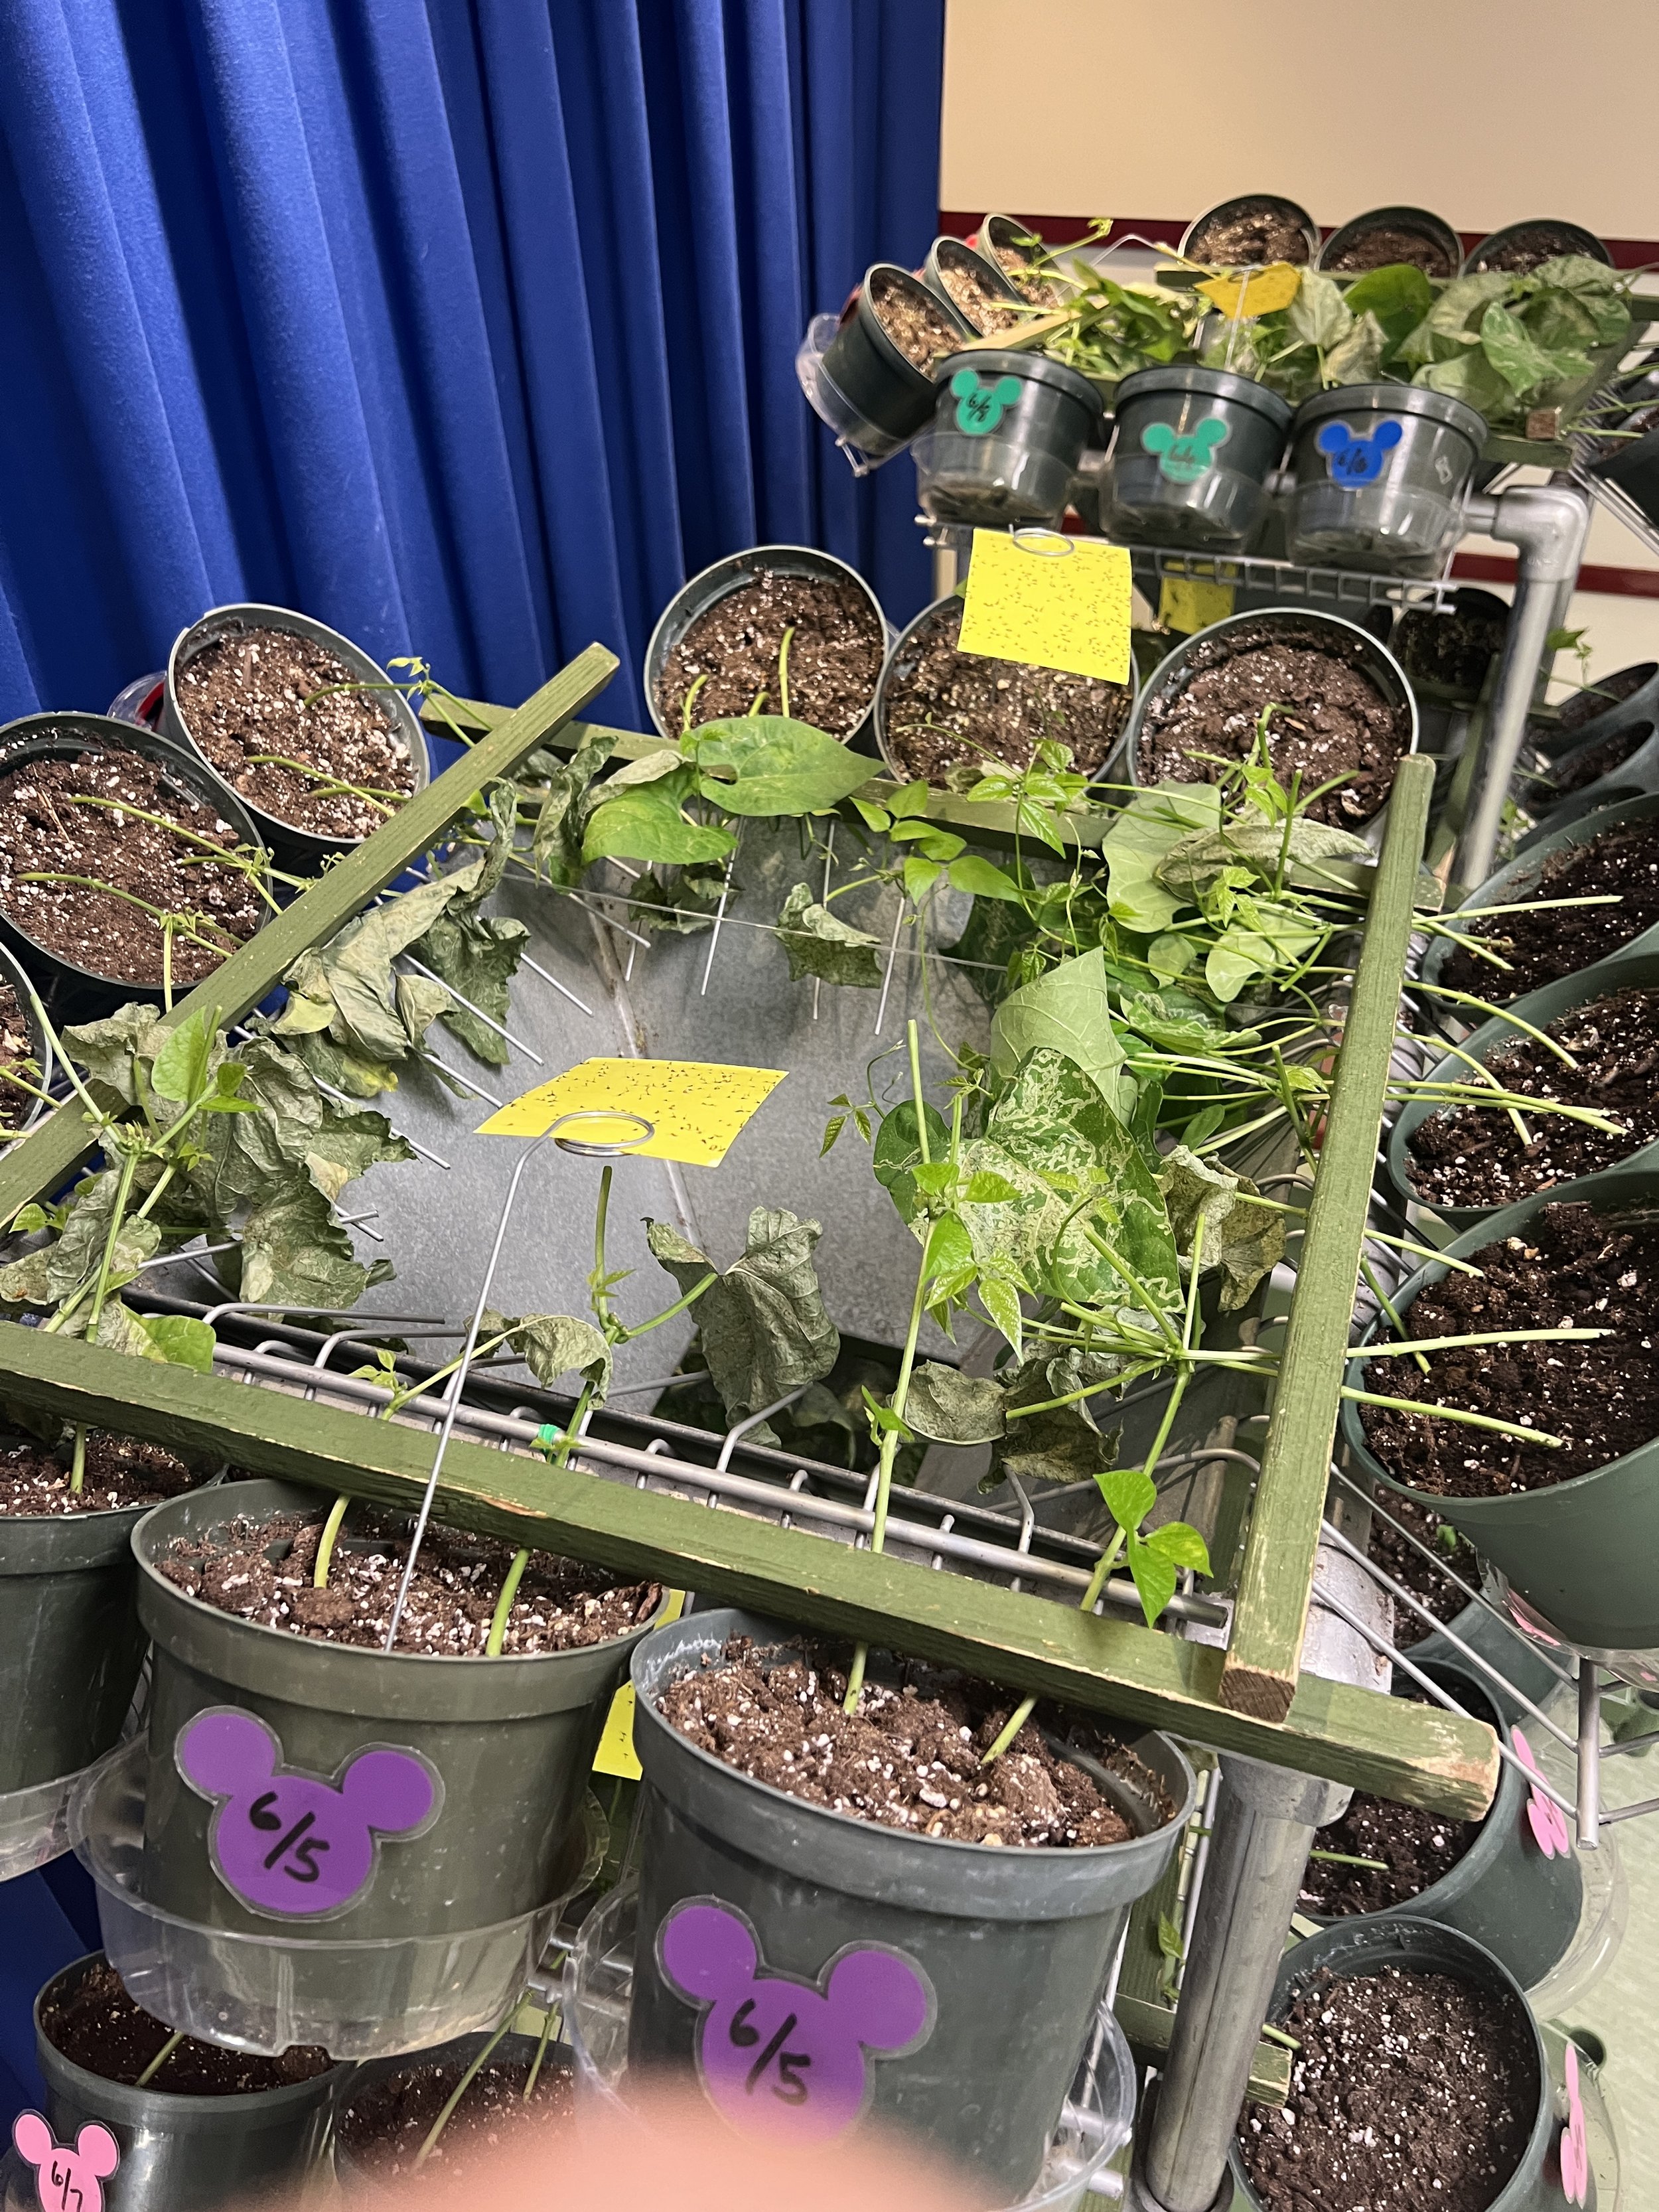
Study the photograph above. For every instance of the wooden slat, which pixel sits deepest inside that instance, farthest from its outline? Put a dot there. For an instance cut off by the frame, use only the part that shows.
(1418, 1754)
(1264, 1654)
(41, 1161)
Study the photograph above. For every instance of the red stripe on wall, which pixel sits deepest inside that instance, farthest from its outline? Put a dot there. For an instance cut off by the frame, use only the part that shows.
(1614, 583)
(1166, 230)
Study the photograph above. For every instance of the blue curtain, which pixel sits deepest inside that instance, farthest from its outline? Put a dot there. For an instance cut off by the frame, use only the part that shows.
(468, 326)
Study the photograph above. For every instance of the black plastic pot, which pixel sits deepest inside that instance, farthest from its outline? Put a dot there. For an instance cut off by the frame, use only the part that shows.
(1634, 467)
(1504, 1892)
(1633, 776)
(177, 2154)
(711, 584)
(69, 992)
(1009, 430)
(1431, 228)
(1000, 1956)
(1565, 237)
(1192, 456)
(1626, 971)
(954, 254)
(1194, 240)
(1555, 742)
(1363, 1947)
(883, 399)
(1011, 235)
(1382, 472)
(360, 2178)
(70, 1643)
(22, 1110)
(1581, 1552)
(1502, 1646)
(1517, 879)
(1174, 671)
(302, 851)
(507, 1745)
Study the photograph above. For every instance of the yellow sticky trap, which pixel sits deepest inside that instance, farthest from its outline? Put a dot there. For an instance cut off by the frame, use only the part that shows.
(1253, 291)
(1054, 601)
(696, 1108)
(615, 1755)
(1186, 604)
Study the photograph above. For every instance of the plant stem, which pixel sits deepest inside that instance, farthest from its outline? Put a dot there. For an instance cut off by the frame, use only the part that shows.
(457, 2093)
(547, 2020)
(596, 1289)
(643, 1328)
(504, 1604)
(160, 2059)
(1453, 1413)
(783, 671)
(337, 1514)
(1345, 1858)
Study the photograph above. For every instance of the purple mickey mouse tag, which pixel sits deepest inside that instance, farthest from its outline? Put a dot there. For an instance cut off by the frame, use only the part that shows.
(777, 2054)
(297, 1846)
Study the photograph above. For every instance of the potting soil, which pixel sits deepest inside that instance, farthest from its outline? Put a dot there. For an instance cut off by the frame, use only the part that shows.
(1475, 1156)
(262, 1572)
(1390, 246)
(1596, 762)
(835, 652)
(119, 1472)
(1329, 721)
(98, 2027)
(921, 331)
(386, 2121)
(909, 1758)
(1556, 941)
(1399, 1559)
(1016, 266)
(1574, 1268)
(1454, 650)
(977, 297)
(947, 709)
(1408, 2091)
(47, 829)
(1523, 249)
(243, 699)
(1413, 1849)
(1250, 240)
(16, 1058)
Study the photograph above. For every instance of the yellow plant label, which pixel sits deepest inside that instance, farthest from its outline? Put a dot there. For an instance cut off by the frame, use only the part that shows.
(1054, 601)
(1186, 604)
(696, 1108)
(615, 1755)
(1253, 291)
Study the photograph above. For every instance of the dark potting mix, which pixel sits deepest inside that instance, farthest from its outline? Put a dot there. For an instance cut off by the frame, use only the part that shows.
(1018, 264)
(977, 295)
(98, 2026)
(1475, 1156)
(913, 319)
(1526, 246)
(1329, 720)
(1246, 237)
(909, 1758)
(16, 1061)
(1573, 1268)
(1452, 650)
(1578, 773)
(383, 2124)
(1409, 2090)
(262, 1571)
(1442, 1596)
(731, 659)
(83, 873)
(119, 1471)
(1391, 245)
(1378, 1853)
(946, 709)
(1555, 941)
(337, 766)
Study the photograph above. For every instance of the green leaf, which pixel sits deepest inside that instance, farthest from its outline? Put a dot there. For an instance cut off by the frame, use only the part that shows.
(1168, 1938)
(107, 1050)
(953, 1408)
(566, 803)
(1001, 1300)
(1357, 357)
(763, 1322)
(1151, 1015)
(181, 1339)
(1454, 318)
(477, 956)
(1523, 363)
(651, 769)
(777, 767)
(1170, 955)
(1319, 314)
(1154, 1578)
(554, 1344)
(1154, 821)
(1069, 1011)
(346, 1145)
(1245, 1240)
(295, 1256)
(181, 1069)
(818, 944)
(1191, 866)
(920, 877)
(988, 1188)
(1066, 1444)
(647, 822)
(1398, 296)
(1470, 377)
(28, 1219)
(1179, 1542)
(910, 799)
(897, 1153)
(1130, 1495)
(984, 879)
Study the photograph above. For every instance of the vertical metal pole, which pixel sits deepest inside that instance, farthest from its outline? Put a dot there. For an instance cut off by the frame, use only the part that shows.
(1589, 1754)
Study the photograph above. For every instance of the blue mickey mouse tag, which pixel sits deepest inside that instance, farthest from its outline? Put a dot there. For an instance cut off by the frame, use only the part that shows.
(1353, 458)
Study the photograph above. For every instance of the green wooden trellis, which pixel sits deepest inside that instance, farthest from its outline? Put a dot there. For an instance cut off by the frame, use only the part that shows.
(1252, 1699)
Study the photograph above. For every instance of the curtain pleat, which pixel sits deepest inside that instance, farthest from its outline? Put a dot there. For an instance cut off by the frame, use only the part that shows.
(468, 326)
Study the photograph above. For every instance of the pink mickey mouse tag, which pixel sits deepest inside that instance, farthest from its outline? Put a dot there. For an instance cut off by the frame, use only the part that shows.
(1575, 2146)
(66, 2180)
(1544, 1815)
(293, 1845)
(777, 2054)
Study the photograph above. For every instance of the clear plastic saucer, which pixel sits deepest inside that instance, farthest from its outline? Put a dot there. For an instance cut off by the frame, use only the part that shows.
(371, 1998)
(865, 445)
(35, 1823)
(1090, 2154)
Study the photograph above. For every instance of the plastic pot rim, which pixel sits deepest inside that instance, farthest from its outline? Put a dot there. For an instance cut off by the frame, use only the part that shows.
(864, 307)
(1210, 383)
(959, 249)
(1242, 202)
(1031, 368)
(1385, 398)
(1422, 219)
(1585, 241)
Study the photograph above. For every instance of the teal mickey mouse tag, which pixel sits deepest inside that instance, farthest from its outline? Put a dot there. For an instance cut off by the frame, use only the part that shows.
(980, 406)
(1183, 457)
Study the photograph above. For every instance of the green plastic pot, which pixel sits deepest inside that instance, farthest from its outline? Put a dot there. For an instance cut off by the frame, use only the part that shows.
(1012, 1946)
(1635, 776)
(179, 2153)
(1364, 1946)
(1640, 705)
(1581, 1552)
(1504, 1892)
(511, 1741)
(1626, 971)
(1517, 879)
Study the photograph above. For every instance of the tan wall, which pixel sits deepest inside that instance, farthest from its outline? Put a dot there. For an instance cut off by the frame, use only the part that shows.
(1483, 111)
